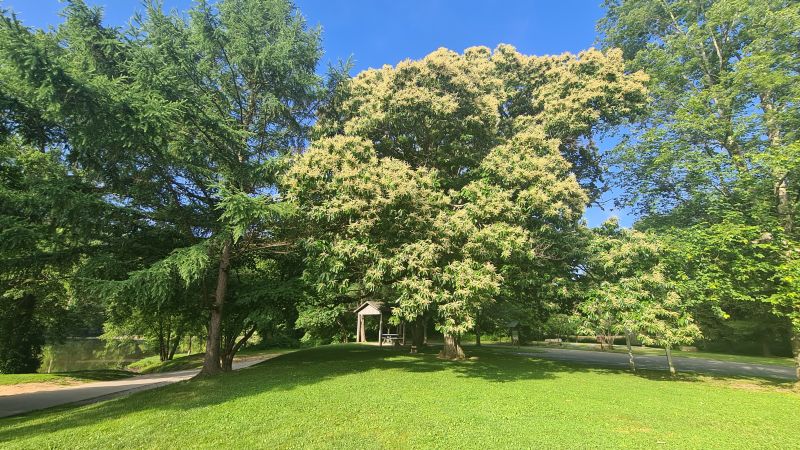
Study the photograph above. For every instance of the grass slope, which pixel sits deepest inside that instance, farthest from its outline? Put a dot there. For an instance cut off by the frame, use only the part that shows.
(64, 377)
(366, 397)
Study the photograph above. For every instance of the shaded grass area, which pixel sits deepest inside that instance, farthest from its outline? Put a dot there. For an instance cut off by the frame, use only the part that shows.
(367, 397)
(152, 364)
(747, 359)
(65, 377)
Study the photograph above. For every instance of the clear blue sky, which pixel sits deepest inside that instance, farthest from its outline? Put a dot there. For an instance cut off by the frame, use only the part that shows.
(378, 32)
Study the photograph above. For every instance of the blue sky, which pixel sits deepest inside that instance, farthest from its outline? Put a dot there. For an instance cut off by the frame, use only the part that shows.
(378, 32)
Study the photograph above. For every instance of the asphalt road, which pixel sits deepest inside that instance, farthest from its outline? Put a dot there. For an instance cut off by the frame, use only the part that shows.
(699, 365)
(14, 404)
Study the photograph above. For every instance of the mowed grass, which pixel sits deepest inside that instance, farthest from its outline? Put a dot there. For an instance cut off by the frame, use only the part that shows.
(352, 396)
(81, 376)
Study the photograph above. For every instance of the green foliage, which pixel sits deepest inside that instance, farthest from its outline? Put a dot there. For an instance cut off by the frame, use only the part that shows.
(22, 335)
(54, 226)
(181, 121)
(453, 182)
(715, 163)
(628, 291)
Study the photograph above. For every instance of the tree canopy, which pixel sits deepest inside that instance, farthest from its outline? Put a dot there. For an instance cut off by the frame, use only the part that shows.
(445, 184)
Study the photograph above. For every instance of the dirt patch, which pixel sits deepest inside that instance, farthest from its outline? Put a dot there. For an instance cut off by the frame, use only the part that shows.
(755, 385)
(12, 389)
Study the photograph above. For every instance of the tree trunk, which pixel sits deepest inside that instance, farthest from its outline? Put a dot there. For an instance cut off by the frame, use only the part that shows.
(232, 346)
(796, 351)
(189, 351)
(477, 336)
(211, 360)
(227, 362)
(631, 362)
(362, 336)
(452, 348)
(380, 331)
(162, 354)
(175, 343)
(418, 332)
(669, 361)
(765, 350)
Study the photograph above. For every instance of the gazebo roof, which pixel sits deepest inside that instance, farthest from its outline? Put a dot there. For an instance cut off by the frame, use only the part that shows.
(370, 308)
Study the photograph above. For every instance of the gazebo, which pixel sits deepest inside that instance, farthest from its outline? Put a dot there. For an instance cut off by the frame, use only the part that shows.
(370, 308)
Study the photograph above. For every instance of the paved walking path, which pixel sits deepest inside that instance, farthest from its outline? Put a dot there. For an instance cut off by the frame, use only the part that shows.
(699, 365)
(92, 392)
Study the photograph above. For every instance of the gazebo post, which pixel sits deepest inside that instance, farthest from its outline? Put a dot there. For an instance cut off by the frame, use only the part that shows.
(358, 328)
(380, 331)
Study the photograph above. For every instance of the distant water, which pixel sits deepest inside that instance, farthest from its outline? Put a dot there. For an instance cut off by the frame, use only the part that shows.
(92, 353)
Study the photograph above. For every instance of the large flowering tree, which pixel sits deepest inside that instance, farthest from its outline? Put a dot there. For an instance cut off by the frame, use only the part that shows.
(445, 184)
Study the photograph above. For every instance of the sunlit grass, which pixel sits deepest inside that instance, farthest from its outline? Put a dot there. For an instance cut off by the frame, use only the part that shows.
(64, 377)
(366, 397)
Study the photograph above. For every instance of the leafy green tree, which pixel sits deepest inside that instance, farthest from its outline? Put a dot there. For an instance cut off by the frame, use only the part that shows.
(719, 148)
(629, 292)
(449, 183)
(182, 118)
(54, 228)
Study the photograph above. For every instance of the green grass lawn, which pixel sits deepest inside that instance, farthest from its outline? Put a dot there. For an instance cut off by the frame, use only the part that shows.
(366, 397)
(748, 359)
(64, 377)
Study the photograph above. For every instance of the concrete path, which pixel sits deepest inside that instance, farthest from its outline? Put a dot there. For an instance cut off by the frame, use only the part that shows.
(699, 365)
(102, 390)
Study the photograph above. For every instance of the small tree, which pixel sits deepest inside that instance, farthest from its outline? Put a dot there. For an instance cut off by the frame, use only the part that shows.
(664, 321)
(786, 301)
(629, 293)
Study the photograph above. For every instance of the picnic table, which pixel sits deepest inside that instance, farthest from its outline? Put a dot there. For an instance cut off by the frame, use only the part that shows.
(391, 338)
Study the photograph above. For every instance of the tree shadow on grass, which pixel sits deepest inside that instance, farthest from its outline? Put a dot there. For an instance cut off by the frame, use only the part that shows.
(295, 370)
(744, 382)
(283, 373)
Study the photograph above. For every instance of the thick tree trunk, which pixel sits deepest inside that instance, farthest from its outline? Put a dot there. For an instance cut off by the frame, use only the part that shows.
(211, 360)
(362, 332)
(631, 362)
(418, 332)
(452, 348)
(232, 346)
(477, 336)
(669, 361)
(227, 362)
